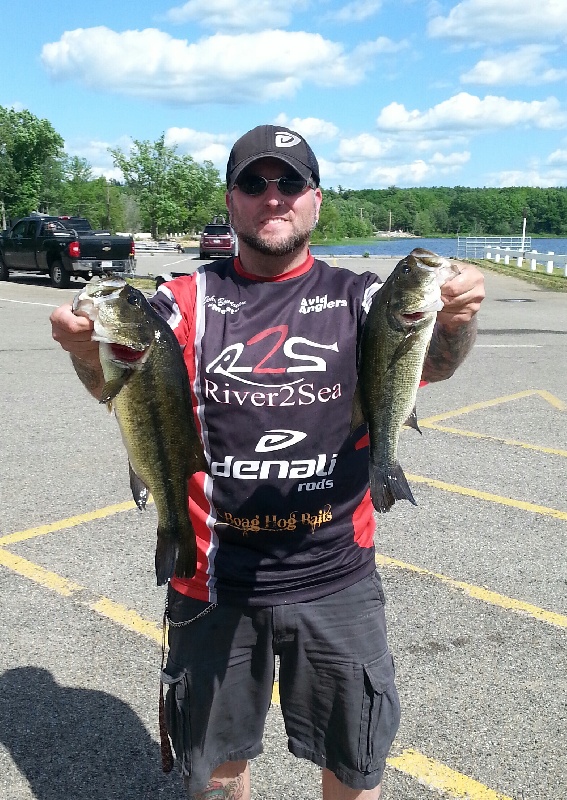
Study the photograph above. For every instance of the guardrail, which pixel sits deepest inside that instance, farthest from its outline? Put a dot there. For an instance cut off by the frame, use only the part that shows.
(145, 246)
(550, 259)
(474, 246)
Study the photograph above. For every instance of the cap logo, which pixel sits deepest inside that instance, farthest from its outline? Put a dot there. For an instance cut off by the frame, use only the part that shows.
(285, 139)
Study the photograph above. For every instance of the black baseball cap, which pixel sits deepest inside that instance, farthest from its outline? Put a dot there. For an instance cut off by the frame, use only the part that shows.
(272, 141)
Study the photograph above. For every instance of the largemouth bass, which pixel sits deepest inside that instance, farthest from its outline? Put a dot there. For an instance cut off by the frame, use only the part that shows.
(148, 387)
(394, 343)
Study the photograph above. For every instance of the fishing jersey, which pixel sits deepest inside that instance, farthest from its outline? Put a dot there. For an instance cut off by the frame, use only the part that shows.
(285, 514)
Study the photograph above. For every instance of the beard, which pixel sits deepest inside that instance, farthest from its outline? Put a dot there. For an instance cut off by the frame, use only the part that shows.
(276, 247)
(283, 247)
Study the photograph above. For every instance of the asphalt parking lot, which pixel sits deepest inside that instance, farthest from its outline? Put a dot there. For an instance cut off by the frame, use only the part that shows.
(475, 576)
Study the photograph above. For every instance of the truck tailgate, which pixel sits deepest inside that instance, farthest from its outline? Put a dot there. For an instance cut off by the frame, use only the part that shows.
(102, 247)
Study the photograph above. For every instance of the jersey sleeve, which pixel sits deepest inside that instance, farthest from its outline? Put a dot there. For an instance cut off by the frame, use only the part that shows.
(175, 302)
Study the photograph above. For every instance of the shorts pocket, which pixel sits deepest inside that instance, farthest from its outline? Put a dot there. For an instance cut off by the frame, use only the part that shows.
(178, 719)
(380, 716)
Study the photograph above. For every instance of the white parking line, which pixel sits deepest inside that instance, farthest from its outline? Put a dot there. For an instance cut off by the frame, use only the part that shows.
(27, 303)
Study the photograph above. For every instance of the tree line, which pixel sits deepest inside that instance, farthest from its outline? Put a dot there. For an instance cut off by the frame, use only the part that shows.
(165, 192)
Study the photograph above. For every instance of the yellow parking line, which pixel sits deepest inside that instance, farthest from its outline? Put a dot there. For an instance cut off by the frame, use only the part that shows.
(435, 775)
(427, 771)
(125, 617)
(491, 498)
(63, 524)
(480, 593)
(550, 398)
(38, 574)
(512, 442)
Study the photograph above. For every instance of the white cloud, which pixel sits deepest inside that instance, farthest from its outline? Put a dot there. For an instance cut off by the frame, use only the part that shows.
(465, 112)
(412, 174)
(310, 127)
(357, 11)
(364, 146)
(451, 159)
(369, 170)
(153, 65)
(201, 146)
(96, 153)
(530, 177)
(558, 157)
(524, 66)
(474, 21)
(380, 46)
(234, 15)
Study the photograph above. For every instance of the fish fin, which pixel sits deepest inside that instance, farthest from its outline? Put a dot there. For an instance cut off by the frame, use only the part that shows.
(357, 418)
(404, 347)
(166, 556)
(388, 484)
(186, 564)
(411, 421)
(176, 555)
(111, 388)
(140, 491)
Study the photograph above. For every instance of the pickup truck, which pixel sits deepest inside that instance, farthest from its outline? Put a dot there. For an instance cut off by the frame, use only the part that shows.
(62, 247)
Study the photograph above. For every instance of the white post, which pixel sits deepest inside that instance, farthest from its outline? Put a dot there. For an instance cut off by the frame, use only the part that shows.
(497, 257)
(507, 257)
(520, 261)
(524, 231)
(550, 262)
(533, 262)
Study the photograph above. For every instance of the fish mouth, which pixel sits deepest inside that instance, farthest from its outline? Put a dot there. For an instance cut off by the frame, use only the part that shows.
(414, 316)
(125, 354)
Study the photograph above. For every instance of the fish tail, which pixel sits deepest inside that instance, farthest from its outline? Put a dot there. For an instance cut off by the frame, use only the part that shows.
(186, 565)
(167, 548)
(388, 484)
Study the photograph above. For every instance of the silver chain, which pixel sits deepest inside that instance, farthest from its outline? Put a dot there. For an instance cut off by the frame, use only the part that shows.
(189, 621)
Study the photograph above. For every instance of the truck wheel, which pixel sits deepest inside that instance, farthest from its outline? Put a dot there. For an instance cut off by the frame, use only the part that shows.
(4, 272)
(60, 278)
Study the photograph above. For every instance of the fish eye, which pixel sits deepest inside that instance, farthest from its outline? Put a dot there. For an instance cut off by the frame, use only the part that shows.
(133, 300)
(406, 269)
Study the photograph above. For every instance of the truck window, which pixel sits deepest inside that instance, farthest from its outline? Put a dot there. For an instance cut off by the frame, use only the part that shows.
(19, 230)
(49, 227)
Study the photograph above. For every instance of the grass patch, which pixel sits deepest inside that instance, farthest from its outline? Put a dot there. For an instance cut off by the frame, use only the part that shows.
(143, 284)
(553, 283)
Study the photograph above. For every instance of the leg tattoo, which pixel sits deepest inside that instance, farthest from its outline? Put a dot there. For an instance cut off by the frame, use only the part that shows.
(216, 790)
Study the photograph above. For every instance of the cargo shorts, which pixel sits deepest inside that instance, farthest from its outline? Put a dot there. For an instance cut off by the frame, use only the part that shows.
(336, 682)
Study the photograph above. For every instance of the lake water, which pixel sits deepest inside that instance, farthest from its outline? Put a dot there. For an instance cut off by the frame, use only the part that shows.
(401, 247)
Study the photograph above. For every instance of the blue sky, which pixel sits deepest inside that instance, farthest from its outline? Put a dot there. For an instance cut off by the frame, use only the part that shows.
(388, 92)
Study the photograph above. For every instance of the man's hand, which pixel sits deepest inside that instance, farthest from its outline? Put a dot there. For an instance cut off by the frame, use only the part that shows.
(455, 329)
(73, 332)
(462, 296)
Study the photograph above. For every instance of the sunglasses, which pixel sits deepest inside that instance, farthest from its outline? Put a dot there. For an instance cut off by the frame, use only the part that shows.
(255, 185)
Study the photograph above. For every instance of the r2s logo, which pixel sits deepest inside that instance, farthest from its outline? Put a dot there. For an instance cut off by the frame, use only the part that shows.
(295, 349)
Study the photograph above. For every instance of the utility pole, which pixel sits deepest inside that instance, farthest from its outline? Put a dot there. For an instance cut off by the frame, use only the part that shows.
(524, 214)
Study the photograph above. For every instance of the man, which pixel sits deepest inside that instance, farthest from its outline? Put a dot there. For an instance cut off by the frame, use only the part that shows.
(284, 521)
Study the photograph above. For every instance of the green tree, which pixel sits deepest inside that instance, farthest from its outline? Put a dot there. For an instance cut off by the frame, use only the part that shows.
(173, 191)
(30, 149)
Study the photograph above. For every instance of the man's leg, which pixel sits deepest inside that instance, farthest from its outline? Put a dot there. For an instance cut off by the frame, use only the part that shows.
(230, 781)
(333, 789)
(338, 696)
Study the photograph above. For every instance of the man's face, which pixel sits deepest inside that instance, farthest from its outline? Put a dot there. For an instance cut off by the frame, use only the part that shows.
(273, 223)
